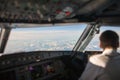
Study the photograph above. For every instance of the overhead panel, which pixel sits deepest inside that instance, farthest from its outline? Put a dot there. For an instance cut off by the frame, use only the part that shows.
(56, 11)
(38, 10)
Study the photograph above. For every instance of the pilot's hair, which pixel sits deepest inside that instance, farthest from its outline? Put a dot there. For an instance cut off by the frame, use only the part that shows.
(109, 38)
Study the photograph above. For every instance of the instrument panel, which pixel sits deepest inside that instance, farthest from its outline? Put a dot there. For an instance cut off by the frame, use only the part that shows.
(39, 71)
(17, 59)
(39, 65)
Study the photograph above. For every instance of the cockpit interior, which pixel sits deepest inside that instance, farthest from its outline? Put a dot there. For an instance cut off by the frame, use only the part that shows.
(60, 53)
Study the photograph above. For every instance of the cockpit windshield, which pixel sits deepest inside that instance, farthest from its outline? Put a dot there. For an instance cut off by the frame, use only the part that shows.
(54, 37)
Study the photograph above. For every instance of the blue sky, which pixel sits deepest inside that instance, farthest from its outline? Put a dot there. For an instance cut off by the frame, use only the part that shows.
(54, 27)
(110, 28)
(56, 32)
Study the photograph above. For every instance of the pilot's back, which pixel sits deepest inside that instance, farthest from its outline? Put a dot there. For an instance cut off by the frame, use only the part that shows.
(113, 68)
(103, 67)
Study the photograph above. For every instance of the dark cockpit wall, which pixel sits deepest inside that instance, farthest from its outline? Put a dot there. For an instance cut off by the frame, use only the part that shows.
(36, 65)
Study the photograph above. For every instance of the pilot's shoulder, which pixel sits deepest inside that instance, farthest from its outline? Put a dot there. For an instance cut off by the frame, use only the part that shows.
(99, 60)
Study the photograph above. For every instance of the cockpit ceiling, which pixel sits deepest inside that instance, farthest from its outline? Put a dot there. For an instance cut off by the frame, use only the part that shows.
(58, 11)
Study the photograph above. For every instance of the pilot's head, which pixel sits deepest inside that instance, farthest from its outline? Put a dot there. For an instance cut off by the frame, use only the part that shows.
(109, 39)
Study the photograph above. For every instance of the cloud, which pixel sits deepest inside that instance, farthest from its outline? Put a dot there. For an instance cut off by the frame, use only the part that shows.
(39, 45)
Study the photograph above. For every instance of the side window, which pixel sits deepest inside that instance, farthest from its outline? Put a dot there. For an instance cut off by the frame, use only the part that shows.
(94, 44)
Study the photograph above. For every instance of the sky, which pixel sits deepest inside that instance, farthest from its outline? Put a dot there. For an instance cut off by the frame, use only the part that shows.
(54, 27)
(59, 32)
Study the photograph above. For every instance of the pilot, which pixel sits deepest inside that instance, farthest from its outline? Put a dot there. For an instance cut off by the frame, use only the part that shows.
(105, 66)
